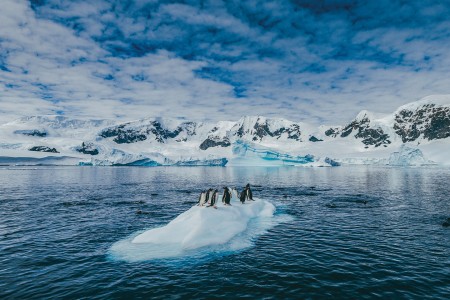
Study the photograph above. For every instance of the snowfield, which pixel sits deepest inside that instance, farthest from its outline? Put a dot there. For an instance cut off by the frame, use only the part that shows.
(370, 138)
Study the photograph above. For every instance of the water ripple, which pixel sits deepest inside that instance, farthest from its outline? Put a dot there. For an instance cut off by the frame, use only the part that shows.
(352, 233)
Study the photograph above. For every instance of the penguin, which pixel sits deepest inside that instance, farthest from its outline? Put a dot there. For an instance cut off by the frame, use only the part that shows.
(223, 196)
(243, 195)
(213, 199)
(209, 195)
(249, 192)
(226, 196)
(202, 198)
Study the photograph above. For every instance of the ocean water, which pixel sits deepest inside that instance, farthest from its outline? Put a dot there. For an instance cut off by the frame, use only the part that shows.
(347, 232)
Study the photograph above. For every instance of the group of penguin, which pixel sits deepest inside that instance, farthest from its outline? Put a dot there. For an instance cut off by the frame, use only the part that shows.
(209, 197)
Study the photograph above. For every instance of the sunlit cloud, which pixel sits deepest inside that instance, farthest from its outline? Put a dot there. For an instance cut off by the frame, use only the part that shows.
(316, 61)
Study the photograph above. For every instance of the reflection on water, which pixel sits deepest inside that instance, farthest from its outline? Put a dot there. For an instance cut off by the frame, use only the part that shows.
(352, 232)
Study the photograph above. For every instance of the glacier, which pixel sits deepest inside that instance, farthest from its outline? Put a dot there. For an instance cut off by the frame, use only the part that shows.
(370, 138)
(249, 154)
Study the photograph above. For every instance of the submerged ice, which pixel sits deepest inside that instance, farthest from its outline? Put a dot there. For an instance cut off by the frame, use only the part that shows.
(200, 230)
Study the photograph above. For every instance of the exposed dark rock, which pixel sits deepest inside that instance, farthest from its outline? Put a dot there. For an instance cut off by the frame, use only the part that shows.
(87, 148)
(240, 132)
(314, 139)
(214, 142)
(161, 134)
(375, 137)
(43, 149)
(293, 132)
(439, 126)
(332, 162)
(113, 131)
(431, 121)
(127, 133)
(333, 132)
(33, 132)
(122, 135)
(129, 137)
(355, 125)
(370, 136)
(189, 128)
(261, 130)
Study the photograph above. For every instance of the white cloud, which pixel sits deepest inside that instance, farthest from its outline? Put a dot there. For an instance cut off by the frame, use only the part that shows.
(269, 60)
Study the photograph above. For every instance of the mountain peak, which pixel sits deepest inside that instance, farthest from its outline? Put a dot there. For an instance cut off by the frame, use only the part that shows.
(435, 100)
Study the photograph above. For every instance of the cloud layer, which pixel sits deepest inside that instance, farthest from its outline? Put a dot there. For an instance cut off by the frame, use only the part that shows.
(317, 61)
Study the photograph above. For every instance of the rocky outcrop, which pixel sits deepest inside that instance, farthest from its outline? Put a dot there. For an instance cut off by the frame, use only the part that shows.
(314, 139)
(32, 132)
(214, 142)
(43, 149)
(430, 121)
(332, 132)
(257, 128)
(132, 133)
(362, 129)
(87, 148)
(123, 135)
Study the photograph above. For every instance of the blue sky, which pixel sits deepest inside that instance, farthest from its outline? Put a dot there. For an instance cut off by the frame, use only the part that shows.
(315, 61)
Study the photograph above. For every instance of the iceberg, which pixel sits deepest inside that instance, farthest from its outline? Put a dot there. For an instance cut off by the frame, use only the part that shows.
(200, 228)
(408, 156)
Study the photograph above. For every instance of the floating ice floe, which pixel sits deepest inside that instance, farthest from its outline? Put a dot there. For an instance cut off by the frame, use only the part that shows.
(200, 230)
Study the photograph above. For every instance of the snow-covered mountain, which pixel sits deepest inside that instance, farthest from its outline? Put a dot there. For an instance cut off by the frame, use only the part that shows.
(252, 140)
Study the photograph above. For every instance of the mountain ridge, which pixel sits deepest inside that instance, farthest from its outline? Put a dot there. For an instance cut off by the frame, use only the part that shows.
(417, 123)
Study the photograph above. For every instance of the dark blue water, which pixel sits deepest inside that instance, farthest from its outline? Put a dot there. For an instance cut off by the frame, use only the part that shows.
(354, 232)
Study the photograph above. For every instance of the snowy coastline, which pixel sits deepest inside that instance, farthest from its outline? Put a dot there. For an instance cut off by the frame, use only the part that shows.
(415, 134)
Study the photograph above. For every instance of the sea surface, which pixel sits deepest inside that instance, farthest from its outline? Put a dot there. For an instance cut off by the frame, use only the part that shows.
(344, 233)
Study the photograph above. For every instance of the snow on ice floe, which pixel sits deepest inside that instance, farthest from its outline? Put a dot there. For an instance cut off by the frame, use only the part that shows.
(200, 231)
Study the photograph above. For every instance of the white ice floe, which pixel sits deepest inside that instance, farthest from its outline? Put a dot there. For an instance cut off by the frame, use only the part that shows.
(198, 230)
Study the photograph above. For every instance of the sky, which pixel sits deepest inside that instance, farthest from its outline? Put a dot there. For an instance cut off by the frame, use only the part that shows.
(316, 61)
